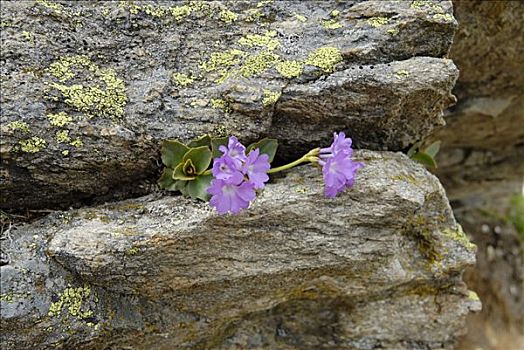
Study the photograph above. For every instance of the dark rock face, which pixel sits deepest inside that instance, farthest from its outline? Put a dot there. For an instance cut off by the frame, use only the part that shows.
(380, 266)
(89, 89)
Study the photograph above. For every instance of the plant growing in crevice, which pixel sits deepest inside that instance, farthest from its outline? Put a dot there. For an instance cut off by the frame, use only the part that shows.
(228, 174)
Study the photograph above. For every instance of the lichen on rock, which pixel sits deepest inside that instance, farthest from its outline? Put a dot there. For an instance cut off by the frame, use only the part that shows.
(325, 58)
(104, 98)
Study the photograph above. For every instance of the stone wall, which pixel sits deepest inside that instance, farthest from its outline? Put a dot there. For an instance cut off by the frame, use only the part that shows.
(90, 90)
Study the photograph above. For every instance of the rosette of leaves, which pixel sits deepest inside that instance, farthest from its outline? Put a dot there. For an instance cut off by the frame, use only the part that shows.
(187, 167)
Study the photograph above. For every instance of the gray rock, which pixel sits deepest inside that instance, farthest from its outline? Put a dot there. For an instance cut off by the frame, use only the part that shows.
(127, 75)
(379, 266)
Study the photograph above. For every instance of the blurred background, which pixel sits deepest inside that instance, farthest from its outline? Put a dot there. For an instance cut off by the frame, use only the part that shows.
(481, 164)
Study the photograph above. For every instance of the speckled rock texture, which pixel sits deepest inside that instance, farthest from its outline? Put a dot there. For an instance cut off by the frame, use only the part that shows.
(90, 88)
(378, 267)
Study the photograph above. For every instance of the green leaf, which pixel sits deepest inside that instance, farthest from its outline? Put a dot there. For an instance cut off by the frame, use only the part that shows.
(204, 140)
(216, 143)
(425, 159)
(198, 187)
(181, 185)
(189, 168)
(266, 146)
(166, 181)
(413, 149)
(433, 149)
(200, 158)
(172, 152)
(179, 174)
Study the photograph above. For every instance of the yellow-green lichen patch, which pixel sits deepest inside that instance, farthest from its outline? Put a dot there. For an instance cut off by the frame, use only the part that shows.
(73, 300)
(65, 152)
(18, 125)
(105, 11)
(267, 40)
(264, 3)
(104, 97)
(53, 6)
(301, 190)
(62, 69)
(182, 79)
(445, 17)
(300, 17)
(334, 13)
(270, 97)
(130, 6)
(420, 230)
(419, 4)
(181, 12)
(252, 15)
(62, 136)
(132, 251)
(77, 143)
(407, 178)
(154, 11)
(290, 69)
(33, 145)
(473, 296)
(459, 236)
(256, 64)
(377, 21)
(325, 58)
(227, 16)
(218, 103)
(8, 298)
(27, 35)
(331, 24)
(392, 31)
(401, 74)
(221, 62)
(59, 119)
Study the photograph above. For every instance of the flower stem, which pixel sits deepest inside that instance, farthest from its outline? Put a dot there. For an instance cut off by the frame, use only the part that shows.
(311, 156)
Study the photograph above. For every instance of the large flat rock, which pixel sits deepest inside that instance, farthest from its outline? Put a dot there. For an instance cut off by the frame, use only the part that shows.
(89, 90)
(379, 266)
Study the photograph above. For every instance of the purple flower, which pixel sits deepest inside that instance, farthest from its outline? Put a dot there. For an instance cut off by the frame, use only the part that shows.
(235, 150)
(338, 168)
(225, 168)
(340, 144)
(236, 177)
(227, 197)
(256, 167)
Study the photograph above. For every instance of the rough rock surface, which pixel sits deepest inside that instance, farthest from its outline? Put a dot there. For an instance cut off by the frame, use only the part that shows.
(89, 89)
(378, 267)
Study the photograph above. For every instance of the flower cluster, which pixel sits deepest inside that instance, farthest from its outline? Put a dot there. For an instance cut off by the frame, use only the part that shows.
(237, 176)
(338, 168)
(238, 172)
